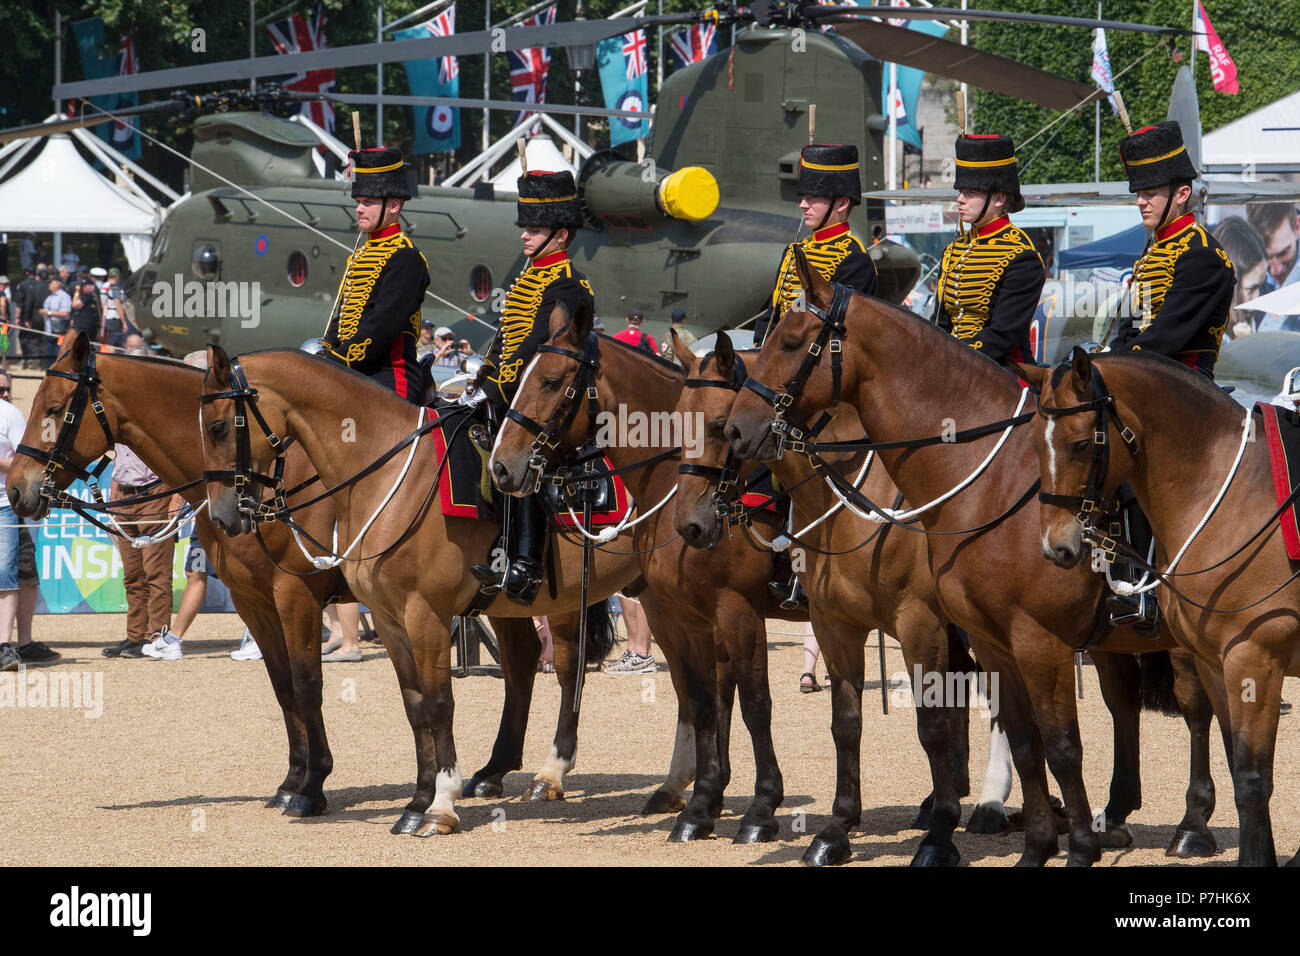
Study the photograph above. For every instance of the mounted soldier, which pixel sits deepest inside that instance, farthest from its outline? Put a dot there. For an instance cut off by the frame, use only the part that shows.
(829, 187)
(1182, 284)
(377, 321)
(1181, 293)
(991, 276)
(550, 214)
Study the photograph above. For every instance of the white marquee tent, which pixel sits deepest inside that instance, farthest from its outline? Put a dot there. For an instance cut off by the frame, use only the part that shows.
(1265, 141)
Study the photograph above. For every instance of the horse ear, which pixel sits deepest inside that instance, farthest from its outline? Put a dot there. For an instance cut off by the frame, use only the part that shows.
(690, 361)
(219, 366)
(1082, 363)
(78, 347)
(724, 354)
(1035, 375)
(814, 286)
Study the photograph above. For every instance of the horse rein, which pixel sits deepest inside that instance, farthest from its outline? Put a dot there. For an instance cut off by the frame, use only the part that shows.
(726, 505)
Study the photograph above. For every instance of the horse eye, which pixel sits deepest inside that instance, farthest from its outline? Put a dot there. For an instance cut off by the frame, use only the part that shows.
(715, 428)
(1082, 445)
(550, 384)
(217, 429)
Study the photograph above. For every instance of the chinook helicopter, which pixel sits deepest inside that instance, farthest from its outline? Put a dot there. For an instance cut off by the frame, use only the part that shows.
(700, 225)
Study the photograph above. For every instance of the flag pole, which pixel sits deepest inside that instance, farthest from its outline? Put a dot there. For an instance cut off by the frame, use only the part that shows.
(1096, 128)
(1192, 65)
(379, 77)
(487, 72)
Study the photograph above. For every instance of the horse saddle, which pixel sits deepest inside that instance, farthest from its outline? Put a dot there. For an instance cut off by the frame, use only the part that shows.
(1282, 438)
(588, 479)
(464, 445)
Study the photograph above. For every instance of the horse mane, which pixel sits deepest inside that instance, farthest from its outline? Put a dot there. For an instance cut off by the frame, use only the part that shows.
(334, 366)
(636, 350)
(1164, 366)
(151, 359)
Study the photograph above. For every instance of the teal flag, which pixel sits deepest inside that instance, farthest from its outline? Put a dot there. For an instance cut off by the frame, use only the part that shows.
(97, 63)
(437, 128)
(909, 87)
(625, 79)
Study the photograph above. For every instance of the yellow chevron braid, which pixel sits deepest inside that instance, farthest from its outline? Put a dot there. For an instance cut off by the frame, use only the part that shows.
(825, 257)
(363, 269)
(972, 268)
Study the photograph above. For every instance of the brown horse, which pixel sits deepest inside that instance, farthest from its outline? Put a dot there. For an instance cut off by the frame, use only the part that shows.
(852, 590)
(276, 591)
(908, 380)
(407, 563)
(1187, 434)
(708, 610)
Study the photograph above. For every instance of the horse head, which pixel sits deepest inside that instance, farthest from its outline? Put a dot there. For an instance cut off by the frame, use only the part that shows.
(696, 517)
(544, 416)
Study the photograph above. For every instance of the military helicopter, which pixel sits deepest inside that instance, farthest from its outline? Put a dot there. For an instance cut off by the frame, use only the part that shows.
(700, 225)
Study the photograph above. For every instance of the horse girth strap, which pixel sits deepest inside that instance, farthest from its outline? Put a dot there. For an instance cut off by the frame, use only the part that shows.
(57, 457)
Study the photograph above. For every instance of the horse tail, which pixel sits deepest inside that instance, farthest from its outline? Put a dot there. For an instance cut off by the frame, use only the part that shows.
(1156, 683)
(600, 631)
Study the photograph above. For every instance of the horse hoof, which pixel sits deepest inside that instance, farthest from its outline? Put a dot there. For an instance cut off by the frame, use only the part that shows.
(437, 824)
(936, 856)
(541, 791)
(764, 832)
(1295, 861)
(304, 806)
(661, 801)
(486, 787)
(407, 823)
(922, 821)
(1116, 836)
(824, 852)
(684, 831)
(1191, 843)
(988, 820)
(280, 800)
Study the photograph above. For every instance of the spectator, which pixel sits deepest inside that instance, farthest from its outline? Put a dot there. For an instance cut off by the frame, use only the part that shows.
(135, 344)
(27, 252)
(31, 297)
(678, 323)
(87, 314)
(17, 555)
(546, 660)
(65, 276)
(637, 659)
(464, 348)
(633, 335)
(808, 679)
(6, 300)
(1279, 229)
(1246, 250)
(344, 646)
(56, 309)
(148, 570)
(445, 339)
(113, 329)
(425, 344)
(70, 261)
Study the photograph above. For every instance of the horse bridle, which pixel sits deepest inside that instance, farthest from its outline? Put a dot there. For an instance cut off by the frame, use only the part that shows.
(1088, 505)
(584, 380)
(243, 477)
(787, 424)
(56, 459)
(726, 494)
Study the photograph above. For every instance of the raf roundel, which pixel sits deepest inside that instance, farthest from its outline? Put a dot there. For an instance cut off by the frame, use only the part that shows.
(261, 244)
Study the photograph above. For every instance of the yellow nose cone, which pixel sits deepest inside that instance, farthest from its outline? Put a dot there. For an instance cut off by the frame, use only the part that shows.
(690, 193)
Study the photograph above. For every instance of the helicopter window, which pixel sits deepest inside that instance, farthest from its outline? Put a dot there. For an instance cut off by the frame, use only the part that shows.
(297, 268)
(480, 283)
(206, 263)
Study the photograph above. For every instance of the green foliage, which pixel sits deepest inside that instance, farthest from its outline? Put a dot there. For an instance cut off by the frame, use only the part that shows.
(1259, 37)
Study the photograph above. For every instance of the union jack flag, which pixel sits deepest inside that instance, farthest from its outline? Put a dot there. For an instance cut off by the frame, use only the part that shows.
(297, 35)
(634, 53)
(529, 66)
(444, 25)
(123, 133)
(693, 44)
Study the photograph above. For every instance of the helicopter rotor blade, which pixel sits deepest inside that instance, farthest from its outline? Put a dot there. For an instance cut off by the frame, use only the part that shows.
(988, 71)
(371, 99)
(70, 123)
(947, 13)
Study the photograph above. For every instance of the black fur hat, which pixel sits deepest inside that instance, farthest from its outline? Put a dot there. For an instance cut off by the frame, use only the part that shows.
(548, 199)
(987, 162)
(1155, 156)
(829, 170)
(380, 172)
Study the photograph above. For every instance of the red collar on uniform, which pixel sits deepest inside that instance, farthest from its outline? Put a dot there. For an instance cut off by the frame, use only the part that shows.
(991, 227)
(1175, 227)
(830, 232)
(552, 259)
(392, 229)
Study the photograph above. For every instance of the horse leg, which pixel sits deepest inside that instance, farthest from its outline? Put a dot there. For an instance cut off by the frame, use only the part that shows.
(300, 628)
(403, 660)
(1253, 679)
(1120, 677)
(759, 822)
(1050, 675)
(548, 783)
(727, 676)
(520, 650)
(844, 653)
(990, 813)
(1193, 837)
(431, 647)
(925, 647)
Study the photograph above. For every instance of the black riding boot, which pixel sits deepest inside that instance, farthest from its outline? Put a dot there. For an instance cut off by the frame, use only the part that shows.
(1140, 610)
(784, 586)
(525, 573)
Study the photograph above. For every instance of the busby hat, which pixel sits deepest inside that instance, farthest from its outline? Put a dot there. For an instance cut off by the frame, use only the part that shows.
(1155, 156)
(548, 199)
(379, 172)
(829, 170)
(987, 162)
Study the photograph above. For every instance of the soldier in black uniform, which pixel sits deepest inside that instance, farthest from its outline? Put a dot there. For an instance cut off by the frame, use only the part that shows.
(377, 322)
(991, 277)
(830, 187)
(1181, 292)
(550, 214)
(1182, 285)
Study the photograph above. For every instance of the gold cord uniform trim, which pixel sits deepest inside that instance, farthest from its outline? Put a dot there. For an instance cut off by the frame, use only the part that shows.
(1153, 273)
(523, 299)
(972, 267)
(359, 278)
(824, 256)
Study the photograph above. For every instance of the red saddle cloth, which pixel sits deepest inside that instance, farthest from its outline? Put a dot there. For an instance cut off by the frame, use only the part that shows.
(1282, 437)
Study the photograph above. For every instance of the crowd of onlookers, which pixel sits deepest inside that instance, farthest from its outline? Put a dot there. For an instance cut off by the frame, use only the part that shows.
(48, 302)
